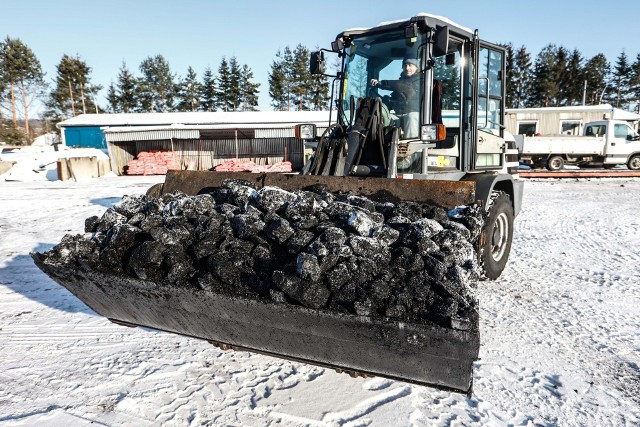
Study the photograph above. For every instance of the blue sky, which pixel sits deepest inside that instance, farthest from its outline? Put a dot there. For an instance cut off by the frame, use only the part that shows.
(199, 33)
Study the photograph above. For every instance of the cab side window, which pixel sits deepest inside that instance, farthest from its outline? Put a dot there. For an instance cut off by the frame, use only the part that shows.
(490, 102)
(621, 131)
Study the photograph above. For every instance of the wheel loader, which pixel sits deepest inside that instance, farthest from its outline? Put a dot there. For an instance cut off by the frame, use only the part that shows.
(435, 137)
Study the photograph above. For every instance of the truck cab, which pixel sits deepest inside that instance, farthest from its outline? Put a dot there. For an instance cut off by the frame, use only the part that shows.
(622, 142)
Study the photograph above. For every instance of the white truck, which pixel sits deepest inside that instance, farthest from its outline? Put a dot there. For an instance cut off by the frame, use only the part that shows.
(607, 143)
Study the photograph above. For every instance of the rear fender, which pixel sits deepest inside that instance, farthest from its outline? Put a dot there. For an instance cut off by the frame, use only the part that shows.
(486, 184)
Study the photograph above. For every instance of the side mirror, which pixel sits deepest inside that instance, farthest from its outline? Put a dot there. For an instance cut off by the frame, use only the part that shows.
(441, 41)
(316, 63)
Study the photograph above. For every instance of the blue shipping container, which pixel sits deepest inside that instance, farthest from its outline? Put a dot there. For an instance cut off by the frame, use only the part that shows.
(85, 137)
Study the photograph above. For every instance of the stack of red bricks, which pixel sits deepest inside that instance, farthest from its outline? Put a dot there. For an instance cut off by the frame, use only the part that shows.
(244, 165)
(235, 165)
(155, 162)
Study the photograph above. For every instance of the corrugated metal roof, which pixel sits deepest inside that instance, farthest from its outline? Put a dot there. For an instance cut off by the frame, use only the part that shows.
(149, 135)
(249, 118)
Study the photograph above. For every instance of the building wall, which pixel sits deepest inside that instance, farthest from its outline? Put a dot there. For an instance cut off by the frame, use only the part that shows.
(550, 122)
(84, 137)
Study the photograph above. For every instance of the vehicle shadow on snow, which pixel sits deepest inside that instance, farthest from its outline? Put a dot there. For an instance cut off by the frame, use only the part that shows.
(22, 276)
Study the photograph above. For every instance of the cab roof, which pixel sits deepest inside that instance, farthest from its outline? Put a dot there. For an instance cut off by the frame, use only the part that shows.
(431, 21)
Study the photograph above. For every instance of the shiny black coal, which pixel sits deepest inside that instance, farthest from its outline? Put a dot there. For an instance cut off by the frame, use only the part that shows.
(341, 252)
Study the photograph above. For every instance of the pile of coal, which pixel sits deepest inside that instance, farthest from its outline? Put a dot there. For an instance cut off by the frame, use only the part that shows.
(342, 252)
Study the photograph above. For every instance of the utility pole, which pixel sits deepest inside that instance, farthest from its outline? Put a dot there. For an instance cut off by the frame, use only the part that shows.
(584, 94)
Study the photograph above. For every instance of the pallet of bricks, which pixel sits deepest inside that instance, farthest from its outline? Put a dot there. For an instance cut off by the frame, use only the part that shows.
(155, 162)
(246, 165)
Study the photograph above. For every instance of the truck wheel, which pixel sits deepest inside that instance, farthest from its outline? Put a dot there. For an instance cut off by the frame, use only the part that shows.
(555, 163)
(634, 162)
(497, 234)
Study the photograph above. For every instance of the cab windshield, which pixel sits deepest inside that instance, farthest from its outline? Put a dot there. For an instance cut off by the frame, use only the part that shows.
(376, 65)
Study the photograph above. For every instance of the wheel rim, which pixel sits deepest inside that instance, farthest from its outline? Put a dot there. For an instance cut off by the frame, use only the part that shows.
(500, 237)
(634, 163)
(556, 163)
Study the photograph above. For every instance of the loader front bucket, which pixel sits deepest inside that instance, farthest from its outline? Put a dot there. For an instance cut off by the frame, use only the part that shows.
(421, 353)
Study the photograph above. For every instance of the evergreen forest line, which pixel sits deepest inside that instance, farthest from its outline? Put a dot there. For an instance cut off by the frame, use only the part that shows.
(556, 76)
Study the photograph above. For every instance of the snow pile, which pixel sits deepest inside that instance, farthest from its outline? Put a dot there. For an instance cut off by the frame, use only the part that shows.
(39, 163)
(46, 140)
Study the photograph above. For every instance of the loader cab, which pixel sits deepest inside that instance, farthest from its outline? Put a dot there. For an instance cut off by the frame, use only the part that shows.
(450, 114)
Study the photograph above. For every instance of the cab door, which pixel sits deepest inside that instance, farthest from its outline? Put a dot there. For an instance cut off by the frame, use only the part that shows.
(621, 141)
(490, 106)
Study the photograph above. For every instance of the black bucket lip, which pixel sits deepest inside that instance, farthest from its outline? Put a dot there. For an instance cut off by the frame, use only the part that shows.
(455, 350)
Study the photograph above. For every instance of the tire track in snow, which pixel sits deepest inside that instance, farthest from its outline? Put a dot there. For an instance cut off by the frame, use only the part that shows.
(545, 305)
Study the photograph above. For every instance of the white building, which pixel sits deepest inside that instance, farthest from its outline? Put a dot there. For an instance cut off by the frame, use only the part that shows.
(562, 120)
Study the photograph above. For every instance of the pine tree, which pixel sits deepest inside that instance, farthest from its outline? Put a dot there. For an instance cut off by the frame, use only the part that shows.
(319, 95)
(209, 91)
(301, 84)
(63, 100)
(287, 61)
(562, 78)
(634, 83)
(521, 78)
(620, 82)
(596, 73)
(145, 96)
(21, 71)
(87, 91)
(224, 86)
(249, 90)
(234, 95)
(573, 83)
(291, 85)
(545, 90)
(73, 93)
(189, 91)
(157, 84)
(511, 73)
(126, 90)
(278, 84)
(113, 99)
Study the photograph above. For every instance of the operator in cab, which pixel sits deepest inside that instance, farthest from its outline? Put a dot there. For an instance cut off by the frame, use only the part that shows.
(405, 99)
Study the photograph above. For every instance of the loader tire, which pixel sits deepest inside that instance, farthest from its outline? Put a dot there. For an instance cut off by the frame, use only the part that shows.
(496, 237)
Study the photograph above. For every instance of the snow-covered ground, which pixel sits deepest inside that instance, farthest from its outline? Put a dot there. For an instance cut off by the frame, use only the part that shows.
(560, 332)
(38, 162)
